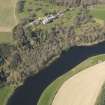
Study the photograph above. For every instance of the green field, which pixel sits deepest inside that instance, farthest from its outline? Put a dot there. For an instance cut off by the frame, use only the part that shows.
(6, 37)
(5, 93)
(7, 15)
(49, 93)
(98, 11)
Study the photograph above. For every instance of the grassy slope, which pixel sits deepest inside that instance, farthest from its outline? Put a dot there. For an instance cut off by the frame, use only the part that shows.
(49, 93)
(5, 92)
(101, 97)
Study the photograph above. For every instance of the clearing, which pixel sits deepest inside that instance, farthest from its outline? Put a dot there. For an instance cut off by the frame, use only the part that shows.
(7, 15)
(83, 88)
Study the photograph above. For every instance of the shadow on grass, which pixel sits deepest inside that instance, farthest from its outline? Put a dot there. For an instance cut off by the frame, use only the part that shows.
(31, 90)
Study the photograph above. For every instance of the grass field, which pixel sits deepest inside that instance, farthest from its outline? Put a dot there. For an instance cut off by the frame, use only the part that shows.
(6, 37)
(49, 93)
(5, 92)
(98, 11)
(7, 15)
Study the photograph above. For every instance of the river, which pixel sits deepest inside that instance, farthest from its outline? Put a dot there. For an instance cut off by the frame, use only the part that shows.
(31, 90)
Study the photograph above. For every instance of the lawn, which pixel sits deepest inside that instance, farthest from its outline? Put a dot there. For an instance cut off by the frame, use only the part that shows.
(5, 93)
(49, 93)
(6, 37)
(7, 15)
(98, 11)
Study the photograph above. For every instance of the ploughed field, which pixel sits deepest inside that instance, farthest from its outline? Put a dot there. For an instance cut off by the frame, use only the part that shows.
(83, 88)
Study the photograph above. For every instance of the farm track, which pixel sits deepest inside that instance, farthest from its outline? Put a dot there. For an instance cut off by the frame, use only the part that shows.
(83, 88)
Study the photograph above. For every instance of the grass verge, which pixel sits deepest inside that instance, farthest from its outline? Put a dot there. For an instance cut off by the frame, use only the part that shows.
(5, 93)
(101, 97)
(50, 92)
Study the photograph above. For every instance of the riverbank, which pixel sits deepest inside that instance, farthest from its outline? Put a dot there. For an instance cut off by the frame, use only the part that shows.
(49, 93)
(82, 88)
(34, 86)
(5, 93)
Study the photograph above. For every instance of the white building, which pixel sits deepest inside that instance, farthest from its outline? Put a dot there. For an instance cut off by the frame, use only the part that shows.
(48, 19)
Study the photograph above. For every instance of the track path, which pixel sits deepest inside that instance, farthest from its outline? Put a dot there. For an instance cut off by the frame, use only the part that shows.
(83, 88)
